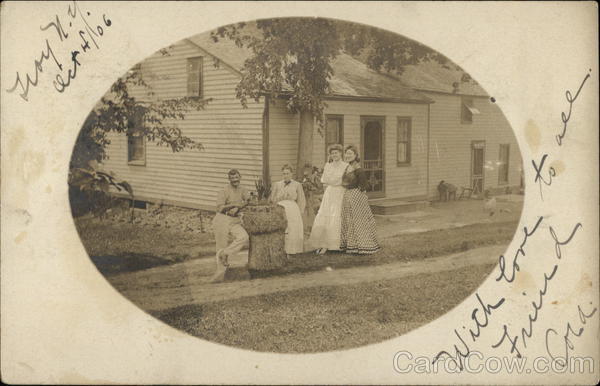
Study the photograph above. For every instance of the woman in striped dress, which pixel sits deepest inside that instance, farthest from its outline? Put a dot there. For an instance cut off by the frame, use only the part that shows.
(359, 233)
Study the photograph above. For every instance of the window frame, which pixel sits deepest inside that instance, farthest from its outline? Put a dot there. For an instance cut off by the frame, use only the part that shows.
(408, 142)
(199, 74)
(339, 118)
(142, 160)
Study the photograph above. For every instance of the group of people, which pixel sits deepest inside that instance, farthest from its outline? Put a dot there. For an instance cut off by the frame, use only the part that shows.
(344, 221)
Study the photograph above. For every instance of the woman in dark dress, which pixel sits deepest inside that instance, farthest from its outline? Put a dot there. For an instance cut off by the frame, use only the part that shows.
(359, 233)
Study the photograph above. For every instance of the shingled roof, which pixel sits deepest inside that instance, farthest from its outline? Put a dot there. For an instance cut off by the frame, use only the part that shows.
(351, 79)
(432, 76)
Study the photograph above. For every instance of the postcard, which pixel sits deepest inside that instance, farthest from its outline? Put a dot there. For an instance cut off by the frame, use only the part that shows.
(299, 193)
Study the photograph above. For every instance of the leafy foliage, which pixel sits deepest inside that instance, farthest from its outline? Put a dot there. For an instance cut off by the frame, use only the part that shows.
(383, 50)
(292, 57)
(95, 186)
(311, 180)
(122, 111)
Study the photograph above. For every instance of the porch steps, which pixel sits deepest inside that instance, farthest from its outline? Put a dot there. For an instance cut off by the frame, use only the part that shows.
(389, 206)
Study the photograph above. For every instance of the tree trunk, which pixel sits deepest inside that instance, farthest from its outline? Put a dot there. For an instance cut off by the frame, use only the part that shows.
(305, 142)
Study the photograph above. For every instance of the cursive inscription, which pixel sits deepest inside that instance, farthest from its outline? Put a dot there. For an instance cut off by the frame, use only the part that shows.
(508, 273)
(87, 32)
(508, 270)
(543, 177)
(527, 332)
(463, 352)
(512, 336)
(565, 117)
(543, 180)
(567, 342)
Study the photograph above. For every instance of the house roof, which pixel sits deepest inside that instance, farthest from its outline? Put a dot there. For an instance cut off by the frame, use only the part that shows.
(432, 76)
(351, 79)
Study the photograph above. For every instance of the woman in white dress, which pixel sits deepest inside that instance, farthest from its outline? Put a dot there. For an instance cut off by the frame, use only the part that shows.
(326, 230)
(290, 195)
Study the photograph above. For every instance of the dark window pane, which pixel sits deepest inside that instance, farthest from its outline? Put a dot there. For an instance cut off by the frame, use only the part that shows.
(403, 141)
(372, 139)
(333, 130)
(503, 163)
(135, 148)
(478, 162)
(194, 76)
(402, 152)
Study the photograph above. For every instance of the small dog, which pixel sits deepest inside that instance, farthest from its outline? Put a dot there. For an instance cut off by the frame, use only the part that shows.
(447, 191)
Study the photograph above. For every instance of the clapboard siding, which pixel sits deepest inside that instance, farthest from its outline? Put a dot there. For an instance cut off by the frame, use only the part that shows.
(230, 134)
(450, 143)
(232, 138)
(401, 181)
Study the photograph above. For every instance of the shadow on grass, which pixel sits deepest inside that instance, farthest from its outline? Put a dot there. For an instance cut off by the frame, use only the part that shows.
(130, 262)
(183, 318)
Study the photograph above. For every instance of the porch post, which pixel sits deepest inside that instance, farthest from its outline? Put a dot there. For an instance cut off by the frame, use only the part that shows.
(265, 142)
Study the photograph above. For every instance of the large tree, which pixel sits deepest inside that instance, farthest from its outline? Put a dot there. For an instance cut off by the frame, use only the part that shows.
(291, 58)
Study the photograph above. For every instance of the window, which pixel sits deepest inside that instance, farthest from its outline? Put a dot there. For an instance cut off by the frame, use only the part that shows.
(136, 149)
(194, 77)
(467, 110)
(503, 158)
(334, 131)
(403, 136)
(136, 145)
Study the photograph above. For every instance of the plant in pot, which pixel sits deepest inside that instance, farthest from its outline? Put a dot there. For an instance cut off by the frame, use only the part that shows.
(263, 191)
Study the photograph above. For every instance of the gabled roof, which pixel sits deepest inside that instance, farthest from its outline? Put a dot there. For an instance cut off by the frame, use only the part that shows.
(432, 76)
(351, 79)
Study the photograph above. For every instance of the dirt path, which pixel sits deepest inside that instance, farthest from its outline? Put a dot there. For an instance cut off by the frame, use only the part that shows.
(186, 283)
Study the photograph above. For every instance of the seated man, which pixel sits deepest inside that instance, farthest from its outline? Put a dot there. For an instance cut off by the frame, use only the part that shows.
(227, 223)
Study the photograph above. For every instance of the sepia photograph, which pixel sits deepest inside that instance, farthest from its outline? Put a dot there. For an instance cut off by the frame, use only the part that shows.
(274, 185)
(305, 192)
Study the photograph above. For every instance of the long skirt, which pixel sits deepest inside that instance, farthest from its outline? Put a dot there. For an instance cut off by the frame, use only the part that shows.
(294, 234)
(326, 229)
(359, 233)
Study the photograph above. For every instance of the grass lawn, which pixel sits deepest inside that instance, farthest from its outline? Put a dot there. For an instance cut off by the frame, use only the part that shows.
(312, 319)
(407, 247)
(329, 317)
(123, 247)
